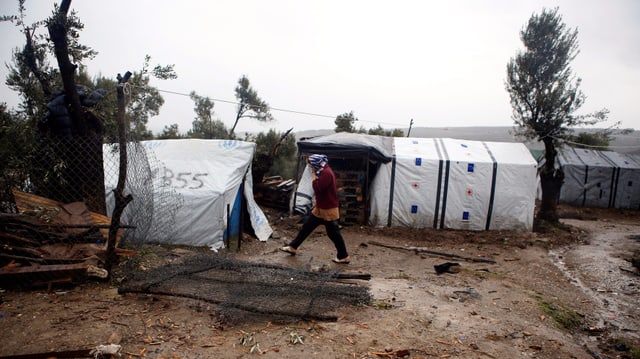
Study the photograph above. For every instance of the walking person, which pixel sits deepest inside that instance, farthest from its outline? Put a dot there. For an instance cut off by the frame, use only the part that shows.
(325, 211)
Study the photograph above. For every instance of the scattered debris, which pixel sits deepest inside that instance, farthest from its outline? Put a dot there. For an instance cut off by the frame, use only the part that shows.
(109, 349)
(52, 243)
(469, 293)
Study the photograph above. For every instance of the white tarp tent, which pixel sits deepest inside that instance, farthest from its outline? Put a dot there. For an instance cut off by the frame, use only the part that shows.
(458, 184)
(601, 179)
(437, 182)
(211, 176)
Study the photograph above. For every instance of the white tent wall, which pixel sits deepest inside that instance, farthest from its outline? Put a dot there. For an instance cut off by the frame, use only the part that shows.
(467, 195)
(458, 184)
(415, 196)
(208, 174)
(600, 179)
(516, 186)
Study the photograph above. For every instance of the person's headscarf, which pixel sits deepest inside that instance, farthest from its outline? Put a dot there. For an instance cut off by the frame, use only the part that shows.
(318, 162)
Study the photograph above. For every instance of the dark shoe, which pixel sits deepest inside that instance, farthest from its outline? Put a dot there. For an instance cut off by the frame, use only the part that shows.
(289, 250)
(447, 267)
(344, 260)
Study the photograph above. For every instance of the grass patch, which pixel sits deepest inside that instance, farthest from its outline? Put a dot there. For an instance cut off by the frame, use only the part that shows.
(400, 275)
(564, 317)
(380, 304)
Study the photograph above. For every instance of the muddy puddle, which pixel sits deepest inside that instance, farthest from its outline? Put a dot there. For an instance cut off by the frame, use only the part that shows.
(603, 271)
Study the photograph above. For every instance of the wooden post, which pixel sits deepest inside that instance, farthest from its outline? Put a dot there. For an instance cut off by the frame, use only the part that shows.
(121, 200)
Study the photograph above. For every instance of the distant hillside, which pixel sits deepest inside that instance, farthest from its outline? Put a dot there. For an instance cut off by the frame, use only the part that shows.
(621, 143)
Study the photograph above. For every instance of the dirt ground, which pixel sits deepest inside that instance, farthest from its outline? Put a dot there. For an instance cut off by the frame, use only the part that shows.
(568, 294)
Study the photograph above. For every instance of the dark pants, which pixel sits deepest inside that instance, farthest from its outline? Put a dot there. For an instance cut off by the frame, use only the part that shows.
(333, 231)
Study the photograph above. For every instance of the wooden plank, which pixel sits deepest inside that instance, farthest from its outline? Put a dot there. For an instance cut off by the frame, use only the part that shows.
(27, 201)
(82, 353)
(42, 274)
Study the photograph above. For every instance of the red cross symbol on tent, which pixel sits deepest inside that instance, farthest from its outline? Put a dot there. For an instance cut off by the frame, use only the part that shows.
(415, 185)
(469, 192)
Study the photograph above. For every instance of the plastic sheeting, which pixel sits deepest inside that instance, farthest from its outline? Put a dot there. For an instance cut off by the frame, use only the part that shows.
(458, 184)
(209, 175)
(601, 179)
(344, 144)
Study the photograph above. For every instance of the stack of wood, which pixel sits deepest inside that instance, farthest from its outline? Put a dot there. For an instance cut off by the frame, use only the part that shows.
(50, 242)
(351, 196)
(274, 192)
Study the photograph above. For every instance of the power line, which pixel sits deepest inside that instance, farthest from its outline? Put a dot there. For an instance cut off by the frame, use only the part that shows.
(591, 146)
(278, 109)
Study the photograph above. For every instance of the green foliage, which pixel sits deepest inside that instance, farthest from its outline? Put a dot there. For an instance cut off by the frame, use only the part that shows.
(595, 140)
(545, 95)
(544, 92)
(249, 104)
(396, 132)
(279, 152)
(143, 101)
(346, 122)
(170, 132)
(204, 126)
(16, 151)
(35, 79)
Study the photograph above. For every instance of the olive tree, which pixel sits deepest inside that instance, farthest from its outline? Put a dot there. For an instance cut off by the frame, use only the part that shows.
(545, 95)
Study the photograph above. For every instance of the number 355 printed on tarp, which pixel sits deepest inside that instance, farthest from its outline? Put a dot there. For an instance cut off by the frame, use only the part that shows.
(187, 180)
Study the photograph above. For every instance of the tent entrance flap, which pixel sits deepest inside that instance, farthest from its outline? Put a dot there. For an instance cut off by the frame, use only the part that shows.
(234, 222)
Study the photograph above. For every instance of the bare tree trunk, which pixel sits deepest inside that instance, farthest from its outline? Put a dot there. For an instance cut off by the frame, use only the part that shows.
(58, 32)
(81, 150)
(238, 115)
(551, 181)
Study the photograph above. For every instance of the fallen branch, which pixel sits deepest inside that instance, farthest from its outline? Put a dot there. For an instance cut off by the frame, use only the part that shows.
(442, 254)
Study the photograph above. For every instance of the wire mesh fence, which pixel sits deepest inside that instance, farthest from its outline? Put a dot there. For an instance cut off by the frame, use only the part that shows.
(55, 220)
(57, 227)
(151, 214)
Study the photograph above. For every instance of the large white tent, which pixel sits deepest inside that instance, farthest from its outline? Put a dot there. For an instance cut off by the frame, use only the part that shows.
(212, 177)
(602, 179)
(440, 182)
(458, 184)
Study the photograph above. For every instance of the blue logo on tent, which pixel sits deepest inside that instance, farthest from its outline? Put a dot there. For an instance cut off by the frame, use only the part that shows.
(465, 216)
(470, 167)
(418, 161)
(414, 209)
(230, 144)
(463, 145)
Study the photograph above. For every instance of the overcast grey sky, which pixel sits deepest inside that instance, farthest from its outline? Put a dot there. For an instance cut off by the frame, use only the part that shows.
(440, 63)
